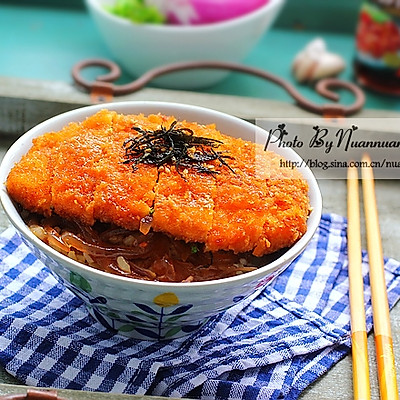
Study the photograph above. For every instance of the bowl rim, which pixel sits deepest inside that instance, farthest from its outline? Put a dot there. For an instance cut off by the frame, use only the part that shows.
(81, 113)
(232, 22)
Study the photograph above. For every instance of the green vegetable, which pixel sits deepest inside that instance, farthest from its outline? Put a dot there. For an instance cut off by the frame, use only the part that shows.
(137, 11)
(194, 249)
(376, 14)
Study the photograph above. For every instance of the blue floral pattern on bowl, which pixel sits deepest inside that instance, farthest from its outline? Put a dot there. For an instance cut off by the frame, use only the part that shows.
(160, 321)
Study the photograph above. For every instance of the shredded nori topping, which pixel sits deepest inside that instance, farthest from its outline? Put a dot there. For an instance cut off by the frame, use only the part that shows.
(177, 146)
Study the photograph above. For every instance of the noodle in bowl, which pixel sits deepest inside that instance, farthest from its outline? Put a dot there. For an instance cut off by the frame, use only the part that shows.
(146, 309)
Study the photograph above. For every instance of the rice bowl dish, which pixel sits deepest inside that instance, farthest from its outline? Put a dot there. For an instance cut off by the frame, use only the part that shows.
(216, 209)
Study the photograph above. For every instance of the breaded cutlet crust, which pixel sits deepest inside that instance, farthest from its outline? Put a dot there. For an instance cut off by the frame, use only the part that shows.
(78, 173)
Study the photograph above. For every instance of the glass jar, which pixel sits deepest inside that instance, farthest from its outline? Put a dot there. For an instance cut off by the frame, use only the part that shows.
(377, 62)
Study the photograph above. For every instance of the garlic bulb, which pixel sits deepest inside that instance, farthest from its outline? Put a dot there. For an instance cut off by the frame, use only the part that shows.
(315, 62)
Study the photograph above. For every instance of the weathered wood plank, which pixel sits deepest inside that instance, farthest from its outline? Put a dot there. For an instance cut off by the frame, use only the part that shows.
(76, 395)
(26, 102)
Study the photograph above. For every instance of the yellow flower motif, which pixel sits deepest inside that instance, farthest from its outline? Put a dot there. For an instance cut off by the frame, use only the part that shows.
(166, 299)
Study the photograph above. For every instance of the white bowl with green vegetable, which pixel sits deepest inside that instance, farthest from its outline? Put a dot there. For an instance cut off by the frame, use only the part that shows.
(152, 42)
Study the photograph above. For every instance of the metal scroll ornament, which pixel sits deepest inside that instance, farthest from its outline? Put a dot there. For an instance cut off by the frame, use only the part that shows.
(103, 88)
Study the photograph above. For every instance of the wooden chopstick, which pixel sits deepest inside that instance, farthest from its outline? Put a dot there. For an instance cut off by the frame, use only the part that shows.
(380, 307)
(361, 385)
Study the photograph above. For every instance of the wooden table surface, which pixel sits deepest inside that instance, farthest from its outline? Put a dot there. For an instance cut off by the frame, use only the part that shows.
(31, 95)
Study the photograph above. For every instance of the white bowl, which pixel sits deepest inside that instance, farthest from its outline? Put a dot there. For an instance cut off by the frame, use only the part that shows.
(144, 309)
(140, 47)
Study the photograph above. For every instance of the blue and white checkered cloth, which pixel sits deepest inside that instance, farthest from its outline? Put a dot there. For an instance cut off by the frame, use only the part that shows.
(272, 346)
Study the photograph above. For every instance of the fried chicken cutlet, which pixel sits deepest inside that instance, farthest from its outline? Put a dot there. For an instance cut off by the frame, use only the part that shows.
(235, 196)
